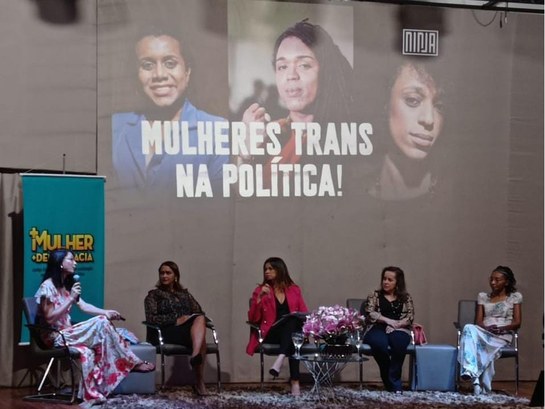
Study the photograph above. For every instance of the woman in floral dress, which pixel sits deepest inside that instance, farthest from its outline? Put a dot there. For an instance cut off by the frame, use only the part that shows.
(499, 313)
(105, 356)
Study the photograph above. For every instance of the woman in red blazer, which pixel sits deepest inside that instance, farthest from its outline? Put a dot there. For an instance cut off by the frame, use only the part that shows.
(275, 297)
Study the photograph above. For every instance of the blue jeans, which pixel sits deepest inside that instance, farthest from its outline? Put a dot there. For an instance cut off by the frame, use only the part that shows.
(390, 361)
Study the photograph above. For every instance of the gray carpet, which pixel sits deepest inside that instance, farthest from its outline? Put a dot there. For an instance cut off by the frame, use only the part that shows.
(342, 397)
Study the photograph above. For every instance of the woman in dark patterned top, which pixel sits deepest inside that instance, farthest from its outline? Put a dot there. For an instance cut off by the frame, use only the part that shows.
(180, 317)
(390, 312)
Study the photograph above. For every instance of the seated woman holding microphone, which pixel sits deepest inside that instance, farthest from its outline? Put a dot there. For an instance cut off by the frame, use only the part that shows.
(106, 358)
(275, 297)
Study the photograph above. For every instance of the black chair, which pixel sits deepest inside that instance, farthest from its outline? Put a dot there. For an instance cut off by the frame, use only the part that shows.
(467, 311)
(264, 348)
(40, 350)
(155, 337)
(357, 304)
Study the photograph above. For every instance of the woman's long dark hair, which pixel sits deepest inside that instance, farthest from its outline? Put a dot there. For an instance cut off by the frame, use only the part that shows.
(510, 276)
(334, 99)
(174, 267)
(283, 279)
(400, 290)
(54, 269)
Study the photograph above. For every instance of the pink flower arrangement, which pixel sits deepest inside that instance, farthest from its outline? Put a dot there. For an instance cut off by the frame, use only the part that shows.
(328, 323)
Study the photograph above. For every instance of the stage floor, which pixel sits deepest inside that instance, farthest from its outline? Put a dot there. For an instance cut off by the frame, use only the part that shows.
(11, 398)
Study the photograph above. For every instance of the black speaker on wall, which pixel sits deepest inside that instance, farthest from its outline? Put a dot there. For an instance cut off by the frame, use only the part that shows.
(58, 11)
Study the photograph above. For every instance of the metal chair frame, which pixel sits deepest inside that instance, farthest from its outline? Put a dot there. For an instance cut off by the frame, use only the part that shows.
(365, 349)
(165, 349)
(269, 349)
(38, 348)
(467, 311)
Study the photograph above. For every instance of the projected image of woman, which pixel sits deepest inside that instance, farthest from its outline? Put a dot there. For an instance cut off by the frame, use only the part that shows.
(313, 79)
(415, 120)
(164, 73)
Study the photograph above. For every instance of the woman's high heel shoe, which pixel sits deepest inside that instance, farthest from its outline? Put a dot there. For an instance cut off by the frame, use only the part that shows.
(198, 392)
(274, 372)
(195, 360)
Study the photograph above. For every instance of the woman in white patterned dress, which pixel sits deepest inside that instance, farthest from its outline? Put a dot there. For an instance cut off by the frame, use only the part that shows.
(105, 356)
(499, 313)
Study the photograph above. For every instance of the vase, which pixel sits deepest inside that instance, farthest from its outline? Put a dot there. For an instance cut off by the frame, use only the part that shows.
(337, 340)
(336, 347)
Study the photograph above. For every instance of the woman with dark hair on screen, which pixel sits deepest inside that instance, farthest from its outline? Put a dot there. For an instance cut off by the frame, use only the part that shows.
(499, 313)
(181, 318)
(314, 82)
(275, 297)
(164, 71)
(415, 120)
(105, 356)
(390, 314)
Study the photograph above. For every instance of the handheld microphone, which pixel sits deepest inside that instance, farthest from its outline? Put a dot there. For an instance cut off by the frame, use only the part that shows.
(76, 280)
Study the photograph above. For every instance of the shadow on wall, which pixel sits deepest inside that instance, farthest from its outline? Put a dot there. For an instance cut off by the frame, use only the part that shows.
(58, 11)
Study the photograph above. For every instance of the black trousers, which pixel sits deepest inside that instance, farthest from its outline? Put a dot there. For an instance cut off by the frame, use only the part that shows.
(281, 334)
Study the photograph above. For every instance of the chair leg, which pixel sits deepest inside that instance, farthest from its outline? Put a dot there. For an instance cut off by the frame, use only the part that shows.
(56, 397)
(457, 372)
(361, 375)
(46, 373)
(262, 369)
(516, 374)
(218, 370)
(413, 365)
(162, 370)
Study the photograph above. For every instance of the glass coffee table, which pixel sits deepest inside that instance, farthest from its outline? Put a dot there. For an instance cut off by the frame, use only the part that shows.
(323, 368)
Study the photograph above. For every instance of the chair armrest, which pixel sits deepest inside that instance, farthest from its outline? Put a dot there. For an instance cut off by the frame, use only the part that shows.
(210, 325)
(255, 327)
(252, 325)
(516, 339)
(156, 328)
(458, 333)
(38, 340)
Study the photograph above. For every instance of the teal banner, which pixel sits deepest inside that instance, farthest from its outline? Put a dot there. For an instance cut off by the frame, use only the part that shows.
(63, 211)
